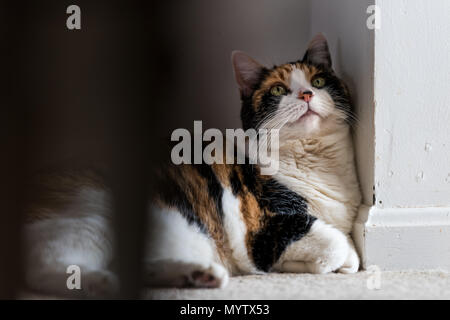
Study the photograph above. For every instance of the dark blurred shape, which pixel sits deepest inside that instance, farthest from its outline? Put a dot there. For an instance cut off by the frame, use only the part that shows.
(81, 98)
(203, 33)
(13, 153)
(106, 95)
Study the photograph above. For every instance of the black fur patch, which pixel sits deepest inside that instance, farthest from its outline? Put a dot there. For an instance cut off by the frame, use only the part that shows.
(281, 200)
(272, 195)
(250, 172)
(215, 189)
(338, 91)
(236, 185)
(290, 223)
(279, 232)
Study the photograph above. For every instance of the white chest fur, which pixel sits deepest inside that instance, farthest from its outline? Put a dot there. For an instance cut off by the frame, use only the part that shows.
(323, 171)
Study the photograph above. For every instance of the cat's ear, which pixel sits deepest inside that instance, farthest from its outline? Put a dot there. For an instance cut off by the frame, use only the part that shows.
(247, 72)
(318, 53)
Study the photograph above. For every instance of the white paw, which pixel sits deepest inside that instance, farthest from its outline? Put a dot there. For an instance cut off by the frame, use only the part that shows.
(179, 274)
(214, 276)
(324, 249)
(99, 284)
(351, 264)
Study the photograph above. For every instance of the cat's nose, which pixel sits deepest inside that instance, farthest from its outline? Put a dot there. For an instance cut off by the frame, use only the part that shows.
(306, 95)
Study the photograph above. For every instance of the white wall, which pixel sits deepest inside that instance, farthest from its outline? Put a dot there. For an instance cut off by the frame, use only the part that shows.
(412, 114)
(409, 226)
(351, 43)
(400, 76)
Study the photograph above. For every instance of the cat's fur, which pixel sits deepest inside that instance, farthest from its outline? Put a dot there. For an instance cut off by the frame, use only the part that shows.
(211, 221)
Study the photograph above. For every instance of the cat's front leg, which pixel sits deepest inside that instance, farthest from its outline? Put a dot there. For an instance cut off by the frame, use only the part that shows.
(323, 249)
(179, 254)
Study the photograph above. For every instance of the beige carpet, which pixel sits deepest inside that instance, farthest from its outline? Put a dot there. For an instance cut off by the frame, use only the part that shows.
(393, 285)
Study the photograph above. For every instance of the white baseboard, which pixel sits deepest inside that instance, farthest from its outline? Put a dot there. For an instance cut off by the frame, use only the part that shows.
(403, 238)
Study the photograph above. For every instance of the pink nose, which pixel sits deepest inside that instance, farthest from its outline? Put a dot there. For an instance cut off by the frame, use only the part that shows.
(306, 95)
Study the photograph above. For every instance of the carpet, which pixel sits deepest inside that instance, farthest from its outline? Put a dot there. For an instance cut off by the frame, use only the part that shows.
(362, 285)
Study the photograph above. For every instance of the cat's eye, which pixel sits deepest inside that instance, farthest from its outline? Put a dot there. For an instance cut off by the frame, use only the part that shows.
(278, 91)
(318, 82)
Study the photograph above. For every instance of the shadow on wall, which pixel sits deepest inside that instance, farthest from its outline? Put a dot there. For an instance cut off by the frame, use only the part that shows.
(352, 46)
(201, 36)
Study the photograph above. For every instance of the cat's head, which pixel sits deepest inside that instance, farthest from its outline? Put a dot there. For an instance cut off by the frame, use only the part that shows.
(305, 99)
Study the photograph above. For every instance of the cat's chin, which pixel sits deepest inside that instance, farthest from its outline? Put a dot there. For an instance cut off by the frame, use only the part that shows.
(299, 133)
(307, 116)
(305, 127)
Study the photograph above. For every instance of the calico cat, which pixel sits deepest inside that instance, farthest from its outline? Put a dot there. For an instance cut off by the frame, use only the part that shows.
(208, 222)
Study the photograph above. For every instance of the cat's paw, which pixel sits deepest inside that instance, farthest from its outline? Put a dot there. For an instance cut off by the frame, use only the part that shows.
(179, 274)
(214, 276)
(351, 264)
(324, 249)
(100, 284)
